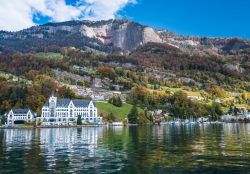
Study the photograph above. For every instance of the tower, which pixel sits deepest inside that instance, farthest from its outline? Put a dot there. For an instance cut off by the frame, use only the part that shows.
(52, 104)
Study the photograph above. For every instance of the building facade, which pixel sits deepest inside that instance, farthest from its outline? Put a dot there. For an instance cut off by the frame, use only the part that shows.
(19, 116)
(57, 111)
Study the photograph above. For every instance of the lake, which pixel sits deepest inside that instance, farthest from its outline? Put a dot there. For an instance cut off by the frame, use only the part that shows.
(213, 148)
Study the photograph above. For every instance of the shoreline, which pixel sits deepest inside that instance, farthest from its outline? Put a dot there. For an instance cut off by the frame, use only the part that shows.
(108, 125)
(52, 126)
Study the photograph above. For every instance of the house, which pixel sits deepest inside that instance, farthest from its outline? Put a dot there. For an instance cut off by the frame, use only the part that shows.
(241, 110)
(159, 112)
(97, 97)
(202, 119)
(57, 111)
(19, 116)
(219, 101)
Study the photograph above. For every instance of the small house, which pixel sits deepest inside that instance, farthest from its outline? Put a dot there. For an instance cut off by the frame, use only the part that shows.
(19, 116)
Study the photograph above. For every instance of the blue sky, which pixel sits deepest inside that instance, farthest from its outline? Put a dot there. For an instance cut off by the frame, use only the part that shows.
(194, 17)
(225, 18)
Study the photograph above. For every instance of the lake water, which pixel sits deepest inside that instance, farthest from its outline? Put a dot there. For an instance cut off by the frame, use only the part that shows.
(221, 148)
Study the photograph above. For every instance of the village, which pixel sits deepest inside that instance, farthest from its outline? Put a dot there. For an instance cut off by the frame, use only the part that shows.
(75, 112)
(67, 112)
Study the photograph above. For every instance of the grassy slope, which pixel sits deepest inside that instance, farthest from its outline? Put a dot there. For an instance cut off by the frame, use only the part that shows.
(164, 88)
(51, 55)
(119, 112)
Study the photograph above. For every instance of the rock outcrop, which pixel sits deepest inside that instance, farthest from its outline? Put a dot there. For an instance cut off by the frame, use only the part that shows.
(111, 35)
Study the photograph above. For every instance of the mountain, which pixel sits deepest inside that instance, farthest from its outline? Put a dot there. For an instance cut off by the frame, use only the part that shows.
(114, 35)
(105, 36)
(86, 58)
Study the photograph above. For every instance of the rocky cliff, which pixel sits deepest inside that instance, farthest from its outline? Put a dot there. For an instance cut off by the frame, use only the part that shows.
(101, 35)
(111, 35)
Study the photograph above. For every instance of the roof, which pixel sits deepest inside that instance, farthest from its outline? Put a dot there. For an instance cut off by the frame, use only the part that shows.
(65, 102)
(81, 103)
(62, 102)
(22, 111)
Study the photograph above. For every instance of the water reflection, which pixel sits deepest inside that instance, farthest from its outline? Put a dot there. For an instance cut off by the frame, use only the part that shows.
(147, 149)
(69, 147)
(15, 138)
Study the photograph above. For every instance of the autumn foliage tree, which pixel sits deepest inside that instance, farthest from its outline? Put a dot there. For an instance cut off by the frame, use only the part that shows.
(105, 71)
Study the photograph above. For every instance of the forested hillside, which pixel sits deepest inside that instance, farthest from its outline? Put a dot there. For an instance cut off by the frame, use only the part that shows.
(93, 59)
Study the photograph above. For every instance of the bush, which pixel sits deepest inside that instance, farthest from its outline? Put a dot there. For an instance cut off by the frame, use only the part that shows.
(38, 122)
(116, 101)
(217, 92)
(110, 118)
(142, 119)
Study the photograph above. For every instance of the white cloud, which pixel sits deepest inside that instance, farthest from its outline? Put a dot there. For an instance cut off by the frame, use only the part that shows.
(18, 14)
(103, 9)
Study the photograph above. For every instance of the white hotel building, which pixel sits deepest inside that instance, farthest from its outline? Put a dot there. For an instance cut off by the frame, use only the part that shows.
(58, 111)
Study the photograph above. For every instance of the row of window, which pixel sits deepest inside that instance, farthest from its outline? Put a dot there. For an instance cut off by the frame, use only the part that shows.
(61, 116)
(20, 117)
(67, 115)
(64, 119)
(47, 114)
(75, 110)
(65, 109)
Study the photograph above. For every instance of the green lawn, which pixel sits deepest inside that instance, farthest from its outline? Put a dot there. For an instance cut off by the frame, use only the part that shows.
(119, 112)
(50, 55)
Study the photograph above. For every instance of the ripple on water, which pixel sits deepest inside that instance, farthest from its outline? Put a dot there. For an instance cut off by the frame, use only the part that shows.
(221, 148)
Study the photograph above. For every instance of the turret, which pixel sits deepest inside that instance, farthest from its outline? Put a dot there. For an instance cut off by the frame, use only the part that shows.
(52, 104)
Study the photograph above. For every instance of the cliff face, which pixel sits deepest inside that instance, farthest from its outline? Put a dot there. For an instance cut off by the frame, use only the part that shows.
(127, 36)
(111, 35)
(100, 35)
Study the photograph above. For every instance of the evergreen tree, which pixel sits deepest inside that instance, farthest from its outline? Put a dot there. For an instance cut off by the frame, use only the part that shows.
(116, 101)
(79, 120)
(133, 115)
(215, 111)
(155, 86)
